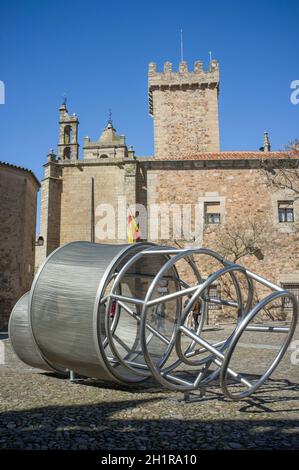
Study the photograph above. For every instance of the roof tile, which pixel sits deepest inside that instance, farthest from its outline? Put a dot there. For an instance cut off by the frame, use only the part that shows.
(245, 155)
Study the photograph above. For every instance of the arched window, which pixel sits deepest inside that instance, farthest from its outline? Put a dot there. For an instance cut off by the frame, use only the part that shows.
(67, 135)
(67, 153)
(104, 156)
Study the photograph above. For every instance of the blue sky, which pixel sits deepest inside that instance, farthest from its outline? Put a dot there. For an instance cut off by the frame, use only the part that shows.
(97, 53)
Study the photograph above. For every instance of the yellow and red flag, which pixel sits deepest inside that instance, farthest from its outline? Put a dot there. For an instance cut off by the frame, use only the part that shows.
(133, 231)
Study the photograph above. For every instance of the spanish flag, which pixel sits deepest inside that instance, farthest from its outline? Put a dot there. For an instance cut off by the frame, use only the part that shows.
(133, 231)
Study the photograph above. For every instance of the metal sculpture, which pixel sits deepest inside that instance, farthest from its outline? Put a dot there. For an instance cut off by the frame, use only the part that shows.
(125, 313)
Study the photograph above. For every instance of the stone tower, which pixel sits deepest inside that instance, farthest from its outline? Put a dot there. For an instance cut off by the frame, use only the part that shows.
(68, 147)
(184, 106)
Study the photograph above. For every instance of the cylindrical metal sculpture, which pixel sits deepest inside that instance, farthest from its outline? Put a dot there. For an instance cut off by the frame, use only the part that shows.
(21, 337)
(121, 313)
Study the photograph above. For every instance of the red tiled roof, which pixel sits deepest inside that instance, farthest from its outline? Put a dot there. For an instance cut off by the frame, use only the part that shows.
(232, 156)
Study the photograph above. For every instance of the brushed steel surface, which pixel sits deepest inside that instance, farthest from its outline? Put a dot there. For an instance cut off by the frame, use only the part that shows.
(64, 307)
(21, 338)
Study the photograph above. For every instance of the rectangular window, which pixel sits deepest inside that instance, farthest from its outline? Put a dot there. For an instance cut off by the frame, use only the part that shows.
(212, 212)
(286, 211)
(214, 293)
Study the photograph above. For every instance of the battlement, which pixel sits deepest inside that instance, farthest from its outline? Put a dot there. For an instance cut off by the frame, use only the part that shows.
(183, 71)
(182, 78)
(184, 106)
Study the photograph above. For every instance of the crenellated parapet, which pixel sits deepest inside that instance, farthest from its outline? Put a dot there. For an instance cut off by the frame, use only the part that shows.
(183, 78)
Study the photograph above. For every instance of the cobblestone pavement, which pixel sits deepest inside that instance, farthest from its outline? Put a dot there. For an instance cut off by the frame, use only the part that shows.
(43, 411)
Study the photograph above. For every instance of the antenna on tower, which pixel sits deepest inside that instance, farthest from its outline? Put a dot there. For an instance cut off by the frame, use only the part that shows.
(210, 53)
(182, 46)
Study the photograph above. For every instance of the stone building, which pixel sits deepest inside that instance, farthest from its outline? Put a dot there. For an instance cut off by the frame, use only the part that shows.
(187, 192)
(18, 190)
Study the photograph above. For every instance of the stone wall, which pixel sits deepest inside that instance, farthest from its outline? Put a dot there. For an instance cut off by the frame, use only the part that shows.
(240, 189)
(114, 185)
(18, 189)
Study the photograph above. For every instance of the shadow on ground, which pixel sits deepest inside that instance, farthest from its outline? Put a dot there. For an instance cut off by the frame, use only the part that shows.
(124, 424)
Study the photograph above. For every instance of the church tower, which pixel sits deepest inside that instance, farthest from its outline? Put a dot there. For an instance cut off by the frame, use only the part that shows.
(184, 106)
(68, 147)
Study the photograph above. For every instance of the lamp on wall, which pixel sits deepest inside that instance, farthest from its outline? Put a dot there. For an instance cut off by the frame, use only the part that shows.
(38, 242)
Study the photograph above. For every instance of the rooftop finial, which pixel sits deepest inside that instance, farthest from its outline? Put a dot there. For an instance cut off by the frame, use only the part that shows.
(64, 100)
(267, 145)
(62, 107)
(110, 118)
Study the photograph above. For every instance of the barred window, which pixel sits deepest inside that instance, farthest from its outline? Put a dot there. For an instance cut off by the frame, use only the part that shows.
(212, 212)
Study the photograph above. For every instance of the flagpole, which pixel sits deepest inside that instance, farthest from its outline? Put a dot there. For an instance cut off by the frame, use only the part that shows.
(182, 47)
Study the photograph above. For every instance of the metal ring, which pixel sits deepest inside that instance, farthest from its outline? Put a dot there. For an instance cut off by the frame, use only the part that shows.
(238, 333)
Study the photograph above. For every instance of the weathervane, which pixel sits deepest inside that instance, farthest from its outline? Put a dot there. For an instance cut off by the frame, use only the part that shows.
(64, 99)
(110, 117)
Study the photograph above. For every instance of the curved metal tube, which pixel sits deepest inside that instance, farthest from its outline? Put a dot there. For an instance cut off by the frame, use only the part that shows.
(120, 313)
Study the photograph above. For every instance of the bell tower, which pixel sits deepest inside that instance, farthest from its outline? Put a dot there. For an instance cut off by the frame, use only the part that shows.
(68, 147)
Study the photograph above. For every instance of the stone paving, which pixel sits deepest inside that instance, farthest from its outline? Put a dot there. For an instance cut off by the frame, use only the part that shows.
(43, 411)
